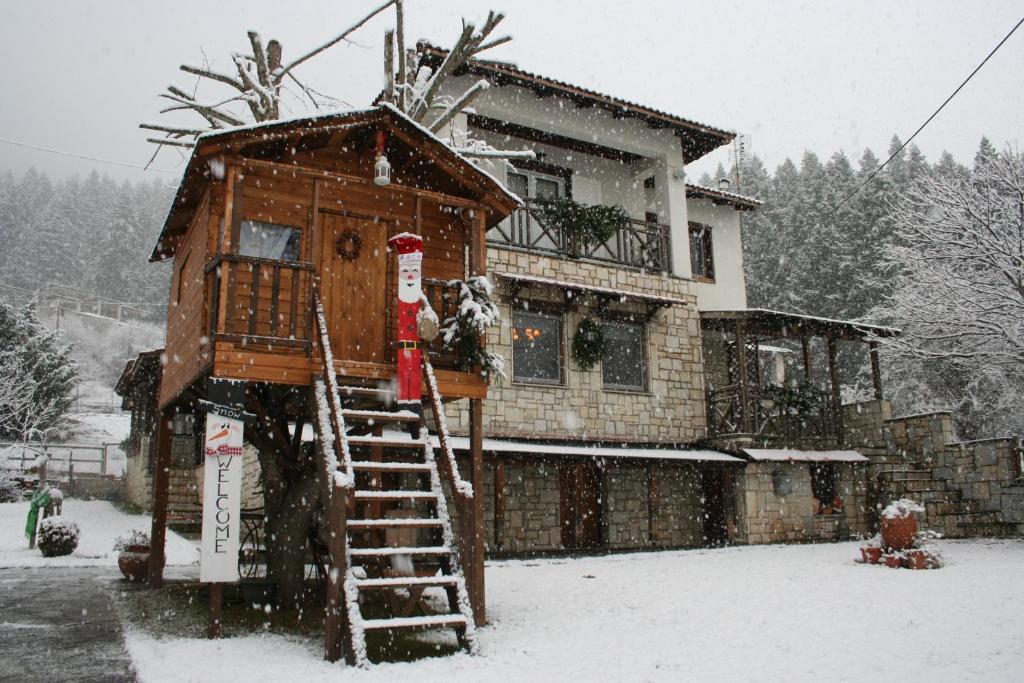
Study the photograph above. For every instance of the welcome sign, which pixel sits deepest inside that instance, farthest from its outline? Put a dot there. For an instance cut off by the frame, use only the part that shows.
(222, 497)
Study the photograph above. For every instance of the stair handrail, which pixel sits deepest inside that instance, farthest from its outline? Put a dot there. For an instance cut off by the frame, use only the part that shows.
(347, 478)
(461, 488)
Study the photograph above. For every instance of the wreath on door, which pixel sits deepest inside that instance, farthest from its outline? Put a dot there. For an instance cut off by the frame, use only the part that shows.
(349, 245)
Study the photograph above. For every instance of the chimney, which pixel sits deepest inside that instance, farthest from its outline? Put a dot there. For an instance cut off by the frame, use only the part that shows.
(723, 184)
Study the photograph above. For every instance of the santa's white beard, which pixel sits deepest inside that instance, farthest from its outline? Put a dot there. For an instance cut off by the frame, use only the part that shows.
(409, 291)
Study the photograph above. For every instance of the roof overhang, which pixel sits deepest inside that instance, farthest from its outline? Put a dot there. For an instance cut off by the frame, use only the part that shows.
(793, 455)
(777, 324)
(696, 139)
(608, 293)
(295, 130)
(721, 198)
(503, 447)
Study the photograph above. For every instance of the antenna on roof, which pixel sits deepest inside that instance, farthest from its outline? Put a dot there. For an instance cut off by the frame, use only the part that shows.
(738, 156)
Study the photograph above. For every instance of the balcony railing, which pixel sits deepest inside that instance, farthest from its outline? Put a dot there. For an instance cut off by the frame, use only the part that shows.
(260, 300)
(639, 244)
(728, 414)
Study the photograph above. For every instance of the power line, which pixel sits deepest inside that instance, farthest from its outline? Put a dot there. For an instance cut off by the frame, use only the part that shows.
(84, 156)
(934, 114)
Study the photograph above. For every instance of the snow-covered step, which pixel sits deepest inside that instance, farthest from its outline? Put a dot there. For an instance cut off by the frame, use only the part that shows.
(433, 621)
(401, 550)
(395, 441)
(367, 465)
(407, 582)
(380, 416)
(396, 495)
(408, 523)
(385, 395)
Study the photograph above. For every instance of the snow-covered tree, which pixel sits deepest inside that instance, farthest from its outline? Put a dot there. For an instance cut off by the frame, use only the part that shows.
(37, 375)
(958, 255)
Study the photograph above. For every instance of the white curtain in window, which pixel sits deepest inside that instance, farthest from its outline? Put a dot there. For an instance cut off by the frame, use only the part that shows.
(262, 240)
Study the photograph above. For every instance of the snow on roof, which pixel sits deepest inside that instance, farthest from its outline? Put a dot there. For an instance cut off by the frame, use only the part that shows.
(738, 200)
(563, 284)
(793, 455)
(461, 443)
(713, 137)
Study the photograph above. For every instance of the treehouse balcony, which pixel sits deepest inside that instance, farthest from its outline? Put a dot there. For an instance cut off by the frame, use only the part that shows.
(787, 392)
(267, 215)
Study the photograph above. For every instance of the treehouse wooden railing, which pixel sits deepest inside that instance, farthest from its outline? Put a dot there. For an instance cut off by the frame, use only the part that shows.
(338, 485)
(444, 299)
(462, 490)
(256, 300)
(639, 244)
(727, 415)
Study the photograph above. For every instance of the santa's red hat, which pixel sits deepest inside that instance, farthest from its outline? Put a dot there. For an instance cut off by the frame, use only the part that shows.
(406, 243)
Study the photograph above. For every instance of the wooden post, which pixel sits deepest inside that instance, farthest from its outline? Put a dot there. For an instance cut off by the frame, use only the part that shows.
(837, 399)
(476, 510)
(500, 480)
(805, 343)
(389, 66)
(337, 636)
(652, 503)
(741, 360)
(161, 490)
(214, 628)
(876, 369)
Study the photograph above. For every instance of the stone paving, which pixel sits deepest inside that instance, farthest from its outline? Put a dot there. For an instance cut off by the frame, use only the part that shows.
(59, 624)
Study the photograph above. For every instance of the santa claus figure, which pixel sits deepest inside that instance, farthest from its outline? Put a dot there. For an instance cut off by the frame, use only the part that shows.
(410, 292)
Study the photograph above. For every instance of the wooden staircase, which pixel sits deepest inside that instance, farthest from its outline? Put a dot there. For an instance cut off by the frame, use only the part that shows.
(389, 532)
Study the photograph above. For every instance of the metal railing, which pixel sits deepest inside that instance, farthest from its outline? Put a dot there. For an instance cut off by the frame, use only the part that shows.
(638, 244)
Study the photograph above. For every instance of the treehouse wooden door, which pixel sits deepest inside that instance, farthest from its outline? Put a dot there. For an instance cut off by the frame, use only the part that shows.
(354, 268)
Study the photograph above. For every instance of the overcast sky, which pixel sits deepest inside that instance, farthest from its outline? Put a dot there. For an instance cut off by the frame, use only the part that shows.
(79, 76)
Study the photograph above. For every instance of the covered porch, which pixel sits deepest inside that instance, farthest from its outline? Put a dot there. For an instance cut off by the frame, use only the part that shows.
(775, 377)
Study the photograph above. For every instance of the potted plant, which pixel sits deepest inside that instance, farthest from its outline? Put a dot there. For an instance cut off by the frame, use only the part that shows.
(133, 555)
(898, 525)
(57, 536)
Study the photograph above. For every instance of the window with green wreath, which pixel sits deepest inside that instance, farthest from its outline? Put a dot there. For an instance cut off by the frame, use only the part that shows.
(536, 347)
(623, 366)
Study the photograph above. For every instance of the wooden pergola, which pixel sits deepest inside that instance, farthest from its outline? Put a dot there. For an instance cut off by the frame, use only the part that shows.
(749, 325)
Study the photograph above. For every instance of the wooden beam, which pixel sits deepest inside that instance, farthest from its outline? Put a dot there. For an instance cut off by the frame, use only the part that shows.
(805, 344)
(534, 135)
(161, 493)
(337, 635)
(476, 510)
(652, 503)
(876, 369)
(833, 371)
(500, 480)
(741, 361)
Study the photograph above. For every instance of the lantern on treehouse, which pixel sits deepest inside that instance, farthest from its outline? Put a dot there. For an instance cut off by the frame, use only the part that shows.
(381, 169)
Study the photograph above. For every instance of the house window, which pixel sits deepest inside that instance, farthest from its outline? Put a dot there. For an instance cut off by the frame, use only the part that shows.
(536, 347)
(623, 364)
(823, 487)
(269, 241)
(702, 261)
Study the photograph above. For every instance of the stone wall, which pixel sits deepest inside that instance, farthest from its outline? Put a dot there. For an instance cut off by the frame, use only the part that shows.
(970, 488)
(626, 514)
(671, 409)
(765, 517)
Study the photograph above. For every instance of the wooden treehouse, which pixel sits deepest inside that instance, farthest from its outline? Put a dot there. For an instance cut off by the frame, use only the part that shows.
(276, 222)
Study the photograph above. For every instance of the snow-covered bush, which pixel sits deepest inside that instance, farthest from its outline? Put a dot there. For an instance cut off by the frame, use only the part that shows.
(904, 507)
(57, 536)
(463, 332)
(9, 491)
(136, 537)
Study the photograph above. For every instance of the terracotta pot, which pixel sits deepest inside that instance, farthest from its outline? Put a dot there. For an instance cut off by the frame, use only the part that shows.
(917, 559)
(133, 562)
(894, 561)
(898, 532)
(872, 554)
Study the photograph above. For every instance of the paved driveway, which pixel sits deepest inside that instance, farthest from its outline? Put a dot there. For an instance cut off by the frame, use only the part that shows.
(60, 625)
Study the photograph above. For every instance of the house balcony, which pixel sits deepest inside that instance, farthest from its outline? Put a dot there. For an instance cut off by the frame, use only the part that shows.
(637, 244)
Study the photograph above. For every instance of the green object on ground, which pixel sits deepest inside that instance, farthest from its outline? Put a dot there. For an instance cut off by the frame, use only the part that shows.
(40, 500)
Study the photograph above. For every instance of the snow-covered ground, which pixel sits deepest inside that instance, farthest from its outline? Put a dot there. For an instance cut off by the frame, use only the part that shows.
(100, 524)
(775, 613)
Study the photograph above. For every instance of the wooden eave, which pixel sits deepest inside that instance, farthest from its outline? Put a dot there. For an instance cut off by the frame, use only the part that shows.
(536, 135)
(696, 139)
(130, 376)
(779, 325)
(720, 198)
(479, 185)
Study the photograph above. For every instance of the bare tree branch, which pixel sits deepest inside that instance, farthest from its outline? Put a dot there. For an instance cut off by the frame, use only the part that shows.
(312, 53)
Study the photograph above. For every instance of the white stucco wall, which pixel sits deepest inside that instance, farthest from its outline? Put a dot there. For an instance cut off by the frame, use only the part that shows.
(728, 292)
